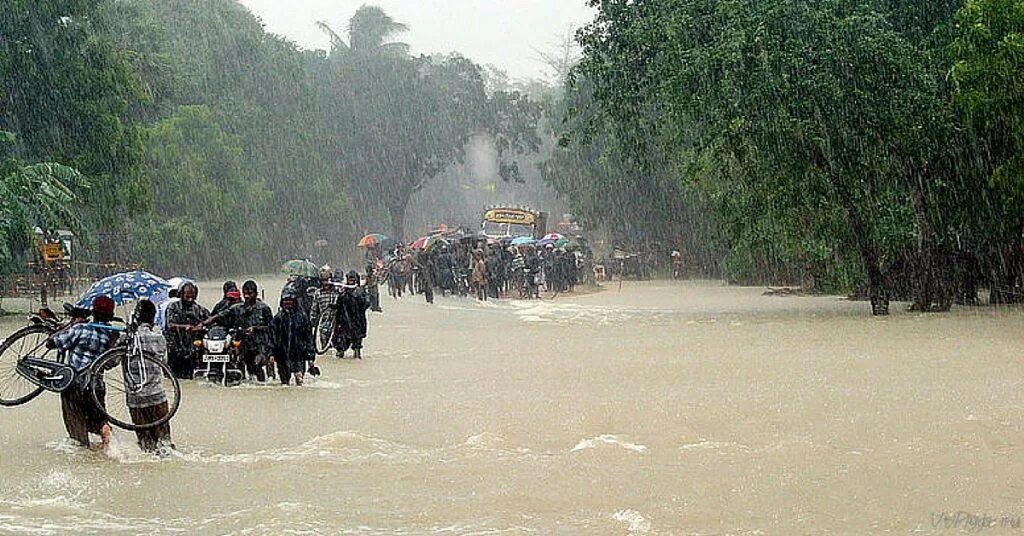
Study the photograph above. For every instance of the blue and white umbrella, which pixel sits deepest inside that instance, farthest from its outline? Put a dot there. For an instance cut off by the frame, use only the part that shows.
(124, 288)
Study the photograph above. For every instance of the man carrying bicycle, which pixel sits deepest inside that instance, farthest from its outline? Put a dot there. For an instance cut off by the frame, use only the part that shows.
(148, 402)
(325, 301)
(83, 343)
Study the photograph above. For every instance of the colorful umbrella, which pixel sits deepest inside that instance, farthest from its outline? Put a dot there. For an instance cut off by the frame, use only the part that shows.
(554, 237)
(523, 241)
(301, 267)
(426, 242)
(124, 288)
(371, 240)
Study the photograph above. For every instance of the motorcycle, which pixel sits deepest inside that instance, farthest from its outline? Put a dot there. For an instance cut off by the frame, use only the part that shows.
(219, 357)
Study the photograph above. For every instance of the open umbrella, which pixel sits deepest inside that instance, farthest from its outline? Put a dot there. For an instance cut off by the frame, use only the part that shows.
(303, 267)
(554, 237)
(371, 240)
(124, 287)
(558, 243)
(523, 241)
(426, 242)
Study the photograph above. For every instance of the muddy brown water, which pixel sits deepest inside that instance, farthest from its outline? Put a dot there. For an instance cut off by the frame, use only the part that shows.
(666, 408)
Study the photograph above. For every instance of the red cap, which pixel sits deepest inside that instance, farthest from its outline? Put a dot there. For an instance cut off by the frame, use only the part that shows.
(103, 308)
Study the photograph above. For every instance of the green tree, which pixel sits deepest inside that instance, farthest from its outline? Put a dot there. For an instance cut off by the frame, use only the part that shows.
(989, 90)
(398, 121)
(67, 90)
(207, 210)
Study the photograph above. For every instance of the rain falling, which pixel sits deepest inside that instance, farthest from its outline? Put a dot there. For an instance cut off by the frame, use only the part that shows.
(522, 267)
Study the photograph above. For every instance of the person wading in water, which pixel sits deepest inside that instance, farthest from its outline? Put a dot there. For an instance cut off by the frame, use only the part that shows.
(82, 344)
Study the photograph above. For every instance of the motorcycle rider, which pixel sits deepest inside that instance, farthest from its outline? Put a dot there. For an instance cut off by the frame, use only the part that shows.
(252, 318)
(231, 297)
(185, 319)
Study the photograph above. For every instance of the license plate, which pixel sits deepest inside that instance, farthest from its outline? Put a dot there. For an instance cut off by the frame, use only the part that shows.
(216, 358)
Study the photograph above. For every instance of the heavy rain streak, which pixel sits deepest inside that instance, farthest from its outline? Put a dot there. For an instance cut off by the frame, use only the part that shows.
(476, 267)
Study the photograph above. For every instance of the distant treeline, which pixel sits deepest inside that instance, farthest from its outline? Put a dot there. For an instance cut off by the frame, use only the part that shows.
(866, 145)
(207, 145)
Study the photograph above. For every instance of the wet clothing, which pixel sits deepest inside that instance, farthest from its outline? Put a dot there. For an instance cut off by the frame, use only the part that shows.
(299, 287)
(152, 439)
(223, 305)
(424, 275)
(256, 346)
(351, 319)
(180, 349)
(148, 403)
(83, 344)
(293, 342)
(147, 375)
(324, 301)
(372, 284)
(479, 278)
(479, 272)
(257, 316)
(81, 416)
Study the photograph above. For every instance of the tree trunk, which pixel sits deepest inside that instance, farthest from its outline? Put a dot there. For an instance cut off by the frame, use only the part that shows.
(1006, 278)
(926, 287)
(396, 210)
(877, 291)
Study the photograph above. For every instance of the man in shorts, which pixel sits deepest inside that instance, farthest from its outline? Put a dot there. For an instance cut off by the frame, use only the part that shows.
(82, 344)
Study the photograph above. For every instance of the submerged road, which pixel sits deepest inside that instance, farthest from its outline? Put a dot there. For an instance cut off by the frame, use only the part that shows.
(666, 408)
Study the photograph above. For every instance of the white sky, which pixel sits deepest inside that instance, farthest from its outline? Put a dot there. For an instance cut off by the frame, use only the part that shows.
(505, 33)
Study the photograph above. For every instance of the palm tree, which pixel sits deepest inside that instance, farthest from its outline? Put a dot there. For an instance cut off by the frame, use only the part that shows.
(368, 32)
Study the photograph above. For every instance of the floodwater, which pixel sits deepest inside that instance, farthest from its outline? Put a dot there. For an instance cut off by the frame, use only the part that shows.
(663, 408)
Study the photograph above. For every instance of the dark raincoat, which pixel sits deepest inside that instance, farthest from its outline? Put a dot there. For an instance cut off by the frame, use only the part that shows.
(352, 306)
(293, 339)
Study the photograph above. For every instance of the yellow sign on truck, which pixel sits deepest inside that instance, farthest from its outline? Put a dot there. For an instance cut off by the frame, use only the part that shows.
(505, 222)
(510, 215)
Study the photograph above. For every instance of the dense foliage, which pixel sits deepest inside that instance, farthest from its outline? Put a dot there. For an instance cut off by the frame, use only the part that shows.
(212, 146)
(871, 146)
(807, 140)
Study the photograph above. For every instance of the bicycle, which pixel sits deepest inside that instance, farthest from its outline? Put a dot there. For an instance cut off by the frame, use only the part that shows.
(324, 333)
(28, 367)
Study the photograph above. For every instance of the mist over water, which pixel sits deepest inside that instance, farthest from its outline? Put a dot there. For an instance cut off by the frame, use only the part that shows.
(666, 408)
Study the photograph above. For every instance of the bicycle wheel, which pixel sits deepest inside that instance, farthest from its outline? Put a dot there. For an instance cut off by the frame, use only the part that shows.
(15, 389)
(118, 374)
(324, 333)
